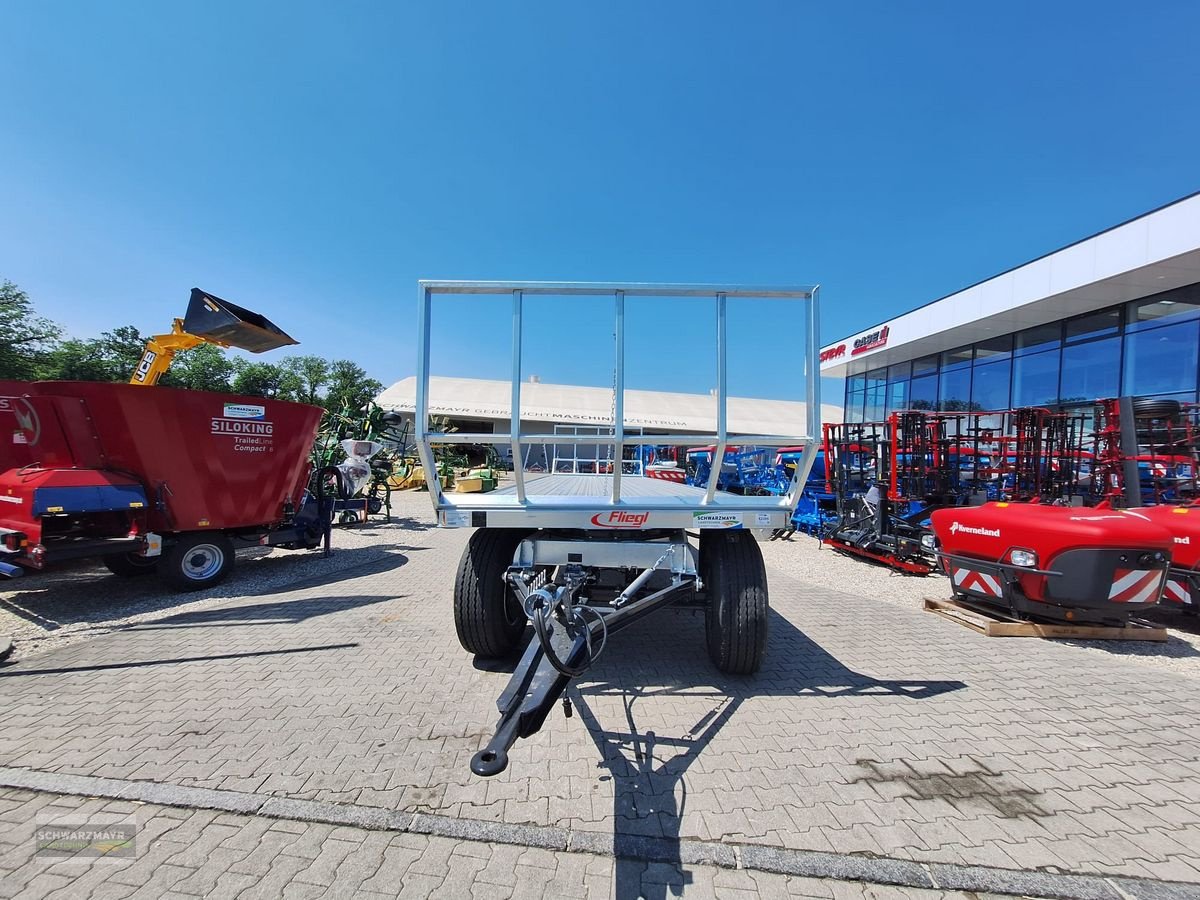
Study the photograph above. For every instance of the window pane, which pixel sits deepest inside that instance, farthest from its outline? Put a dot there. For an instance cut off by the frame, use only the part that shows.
(925, 364)
(1150, 311)
(897, 396)
(854, 407)
(1035, 379)
(1043, 337)
(876, 378)
(994, 348)
(875, 397)
(1095, 325)
(1161, 360)
(923, 393)
(856, 383)
(955, 394)
(956, 359)
(1090, 371)
(989, 388)
(900, 372)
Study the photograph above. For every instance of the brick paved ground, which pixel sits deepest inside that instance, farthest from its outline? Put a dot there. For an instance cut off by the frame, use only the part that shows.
(188, 853)
(873, 729)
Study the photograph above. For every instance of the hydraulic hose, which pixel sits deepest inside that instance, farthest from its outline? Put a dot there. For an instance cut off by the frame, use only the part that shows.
(539, 611)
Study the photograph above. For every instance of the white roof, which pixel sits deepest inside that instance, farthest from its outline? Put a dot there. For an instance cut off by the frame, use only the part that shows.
(1155, 252)
(476, 398)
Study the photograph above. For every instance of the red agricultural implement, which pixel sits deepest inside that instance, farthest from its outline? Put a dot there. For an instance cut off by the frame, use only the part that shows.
(1100, 564)
(889, 476)
(1054, 562)
(155, 479)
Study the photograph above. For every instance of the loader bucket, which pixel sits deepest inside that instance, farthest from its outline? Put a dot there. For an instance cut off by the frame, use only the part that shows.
(227, 323)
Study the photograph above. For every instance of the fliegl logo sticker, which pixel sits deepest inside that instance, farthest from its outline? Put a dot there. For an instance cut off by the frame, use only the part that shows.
(618, 518)
(716, 520)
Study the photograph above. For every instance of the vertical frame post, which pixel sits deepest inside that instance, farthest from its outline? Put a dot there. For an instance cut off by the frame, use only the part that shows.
(812, 399)
(722, 402)
(618, 396)
(515, 413)
(421, 412)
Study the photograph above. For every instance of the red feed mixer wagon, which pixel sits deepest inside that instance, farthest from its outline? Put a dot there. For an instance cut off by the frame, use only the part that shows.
(1084, 566)
(157, 479)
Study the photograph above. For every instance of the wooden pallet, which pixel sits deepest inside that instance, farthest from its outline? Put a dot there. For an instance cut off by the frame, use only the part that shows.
(998, 625)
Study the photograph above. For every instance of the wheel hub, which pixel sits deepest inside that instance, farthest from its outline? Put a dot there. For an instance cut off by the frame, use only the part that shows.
(203, 561)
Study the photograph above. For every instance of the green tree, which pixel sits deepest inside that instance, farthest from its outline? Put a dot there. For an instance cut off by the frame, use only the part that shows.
(261, 379)
(313, 375)
(350, 388)
(203, 368)
(25, 337)
(110, 357)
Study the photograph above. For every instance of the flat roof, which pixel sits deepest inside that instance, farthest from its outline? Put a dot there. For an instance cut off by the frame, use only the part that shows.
(1154, 252)
(480, 398)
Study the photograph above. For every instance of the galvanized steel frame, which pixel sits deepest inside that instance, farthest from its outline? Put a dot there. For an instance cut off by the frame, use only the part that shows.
(425, 439)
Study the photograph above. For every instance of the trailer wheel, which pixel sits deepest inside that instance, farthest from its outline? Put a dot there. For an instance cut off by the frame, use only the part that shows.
(128, 565)
(487, 615)
(198, 560)
(735, 621)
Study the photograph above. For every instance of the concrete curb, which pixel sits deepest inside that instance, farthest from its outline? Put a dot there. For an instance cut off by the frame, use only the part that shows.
(688, 851)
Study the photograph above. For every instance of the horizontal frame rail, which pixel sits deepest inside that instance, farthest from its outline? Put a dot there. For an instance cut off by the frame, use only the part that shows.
(670, 440)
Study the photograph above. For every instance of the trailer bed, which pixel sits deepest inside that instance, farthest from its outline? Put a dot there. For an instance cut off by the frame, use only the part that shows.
(632, 487)
(585, 501)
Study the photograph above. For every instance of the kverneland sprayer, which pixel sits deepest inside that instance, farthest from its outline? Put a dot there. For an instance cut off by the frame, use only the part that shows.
(153, 478)
(574, 558)
(1135, 544)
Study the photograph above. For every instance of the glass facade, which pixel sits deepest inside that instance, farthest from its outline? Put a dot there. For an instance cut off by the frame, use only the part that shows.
(1148, 348)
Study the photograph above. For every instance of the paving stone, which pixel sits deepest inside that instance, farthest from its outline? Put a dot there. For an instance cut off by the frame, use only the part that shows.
(871, 729)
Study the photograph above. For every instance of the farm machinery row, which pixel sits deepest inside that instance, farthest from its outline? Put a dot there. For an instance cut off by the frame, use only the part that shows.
(1028, 509)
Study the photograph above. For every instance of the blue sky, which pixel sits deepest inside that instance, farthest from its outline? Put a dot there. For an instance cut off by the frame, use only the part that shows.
(312, 160)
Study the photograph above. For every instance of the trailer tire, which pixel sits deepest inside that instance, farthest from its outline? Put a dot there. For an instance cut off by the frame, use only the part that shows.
(197, 560)
(487, 616)
(130, 565)
(735, 620)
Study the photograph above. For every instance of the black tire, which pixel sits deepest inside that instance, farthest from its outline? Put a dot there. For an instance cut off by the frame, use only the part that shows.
(130, 565)
(735, 620)
(1156, 409)
(487, 615)
(197, 560)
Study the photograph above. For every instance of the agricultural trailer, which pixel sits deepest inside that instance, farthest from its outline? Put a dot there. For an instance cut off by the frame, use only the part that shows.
(579, 557)
(162, 480)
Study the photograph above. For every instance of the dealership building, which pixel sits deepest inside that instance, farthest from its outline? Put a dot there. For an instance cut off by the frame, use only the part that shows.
(1114, 314)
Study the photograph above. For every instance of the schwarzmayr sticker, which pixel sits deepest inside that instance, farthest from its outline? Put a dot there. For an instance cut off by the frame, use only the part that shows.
(716, 520)
(245, 411)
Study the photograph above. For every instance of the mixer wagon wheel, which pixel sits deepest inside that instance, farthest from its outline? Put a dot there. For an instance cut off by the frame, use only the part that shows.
(127, 565)
(735, 580)
(487, 615)
(197, 560)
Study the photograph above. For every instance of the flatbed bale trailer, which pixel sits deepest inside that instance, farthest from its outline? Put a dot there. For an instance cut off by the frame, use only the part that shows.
(545, 547)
